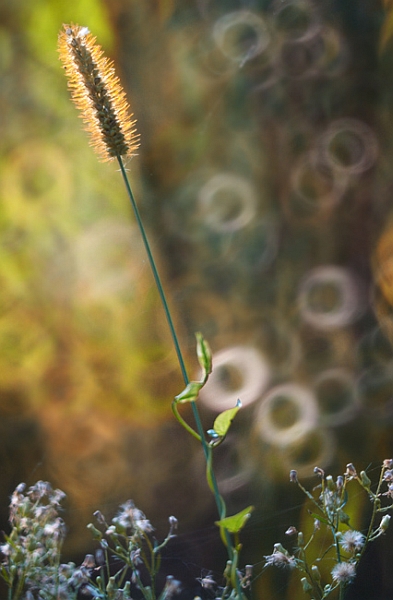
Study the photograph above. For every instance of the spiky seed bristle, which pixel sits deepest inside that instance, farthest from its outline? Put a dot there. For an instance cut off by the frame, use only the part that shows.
(98, 94)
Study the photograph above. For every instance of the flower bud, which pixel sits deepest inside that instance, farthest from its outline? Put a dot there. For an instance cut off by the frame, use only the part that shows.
(111, 586)
(307, 588)
(330, 483)
(172, 525)
(111, 531)
(293, 476)
(351, 471)
(100, 517)
(384, 524)
(315, 573)
(291, 530)
(172, 521)
(228, 569)
(89, 561)
(248, 570)
(96, 533)
(365, 480)
(340, 482)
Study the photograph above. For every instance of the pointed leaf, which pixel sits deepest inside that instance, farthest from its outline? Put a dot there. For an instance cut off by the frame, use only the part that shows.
(319, 518)
(190, 393)
(224, 420)
(236, 522)
(204, 355)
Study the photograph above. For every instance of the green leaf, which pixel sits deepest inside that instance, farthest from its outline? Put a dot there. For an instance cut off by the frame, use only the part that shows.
(204, 355)
(236, 522)
(190, 393)
(320, 518)
(224, 420)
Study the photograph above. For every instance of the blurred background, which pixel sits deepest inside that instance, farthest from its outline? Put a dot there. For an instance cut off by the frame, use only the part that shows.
(265, 179)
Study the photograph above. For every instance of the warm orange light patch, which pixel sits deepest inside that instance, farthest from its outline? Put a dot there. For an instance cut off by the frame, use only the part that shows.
(98, 94)
(383, 263)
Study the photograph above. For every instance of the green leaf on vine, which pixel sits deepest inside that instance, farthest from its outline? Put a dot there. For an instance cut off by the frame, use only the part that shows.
(190, 393)
(224, 420)
(204, 355)
(236, 522)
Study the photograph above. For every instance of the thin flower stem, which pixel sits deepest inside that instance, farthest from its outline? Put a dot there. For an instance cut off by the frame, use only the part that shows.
(342, 588)
(155, 272)
(219, 502)
(375, 498)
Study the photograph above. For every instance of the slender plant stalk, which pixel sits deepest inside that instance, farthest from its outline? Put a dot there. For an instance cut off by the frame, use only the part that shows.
(206, 448)
(98, 94)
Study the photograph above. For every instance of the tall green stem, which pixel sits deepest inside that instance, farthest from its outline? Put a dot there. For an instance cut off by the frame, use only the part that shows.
(155, 272)
(206, 448)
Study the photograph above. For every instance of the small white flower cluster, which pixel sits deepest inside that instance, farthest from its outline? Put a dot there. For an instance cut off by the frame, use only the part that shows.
(129, 538)
(31, 553)
(347, 544)
(131, 517)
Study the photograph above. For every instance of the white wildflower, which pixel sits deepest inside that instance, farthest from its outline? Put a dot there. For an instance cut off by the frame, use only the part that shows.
(130, 516)
(343, 572)
(352, 541)
(144, 525)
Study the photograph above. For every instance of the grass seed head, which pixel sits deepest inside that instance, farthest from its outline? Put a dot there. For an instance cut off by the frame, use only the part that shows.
(98, 94)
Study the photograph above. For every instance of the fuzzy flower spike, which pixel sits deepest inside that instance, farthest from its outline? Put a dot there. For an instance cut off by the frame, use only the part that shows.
(98, 94)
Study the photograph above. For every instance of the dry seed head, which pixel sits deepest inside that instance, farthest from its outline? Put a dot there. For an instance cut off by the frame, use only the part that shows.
(98, 94)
